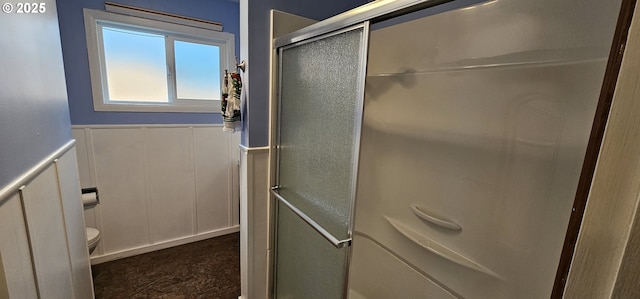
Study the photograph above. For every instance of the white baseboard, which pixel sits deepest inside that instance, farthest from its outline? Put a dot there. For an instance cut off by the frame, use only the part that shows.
(163, 245)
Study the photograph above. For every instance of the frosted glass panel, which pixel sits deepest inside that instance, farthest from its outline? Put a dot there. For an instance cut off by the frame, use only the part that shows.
(135, 65)
(308, 266)
(319, 105)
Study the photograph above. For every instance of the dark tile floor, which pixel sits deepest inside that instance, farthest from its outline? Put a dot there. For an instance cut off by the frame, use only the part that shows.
(204, 269)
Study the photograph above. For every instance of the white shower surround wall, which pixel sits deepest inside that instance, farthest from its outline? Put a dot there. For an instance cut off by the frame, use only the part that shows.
(159, 185)
(475, 128)
(473, 181)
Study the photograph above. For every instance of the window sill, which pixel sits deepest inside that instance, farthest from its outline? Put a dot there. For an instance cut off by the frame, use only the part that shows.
(213, 108)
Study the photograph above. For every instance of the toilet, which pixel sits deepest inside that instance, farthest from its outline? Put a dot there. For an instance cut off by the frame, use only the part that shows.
(93, 237)
(89, 201)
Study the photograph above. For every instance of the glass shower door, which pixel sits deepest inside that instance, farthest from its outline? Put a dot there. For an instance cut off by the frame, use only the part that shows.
(319, 120)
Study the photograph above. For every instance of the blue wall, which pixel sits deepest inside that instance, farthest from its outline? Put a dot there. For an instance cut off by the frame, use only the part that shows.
(34, 118)
(256, 121)
(76, 63)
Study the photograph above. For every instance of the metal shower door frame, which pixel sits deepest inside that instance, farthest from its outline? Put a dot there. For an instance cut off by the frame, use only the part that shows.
(362, 68)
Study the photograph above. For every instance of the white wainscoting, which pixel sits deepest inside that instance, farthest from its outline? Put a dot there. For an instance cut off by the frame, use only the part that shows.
(43, 243)
(159, 185)
(254, 217)
(14, 249)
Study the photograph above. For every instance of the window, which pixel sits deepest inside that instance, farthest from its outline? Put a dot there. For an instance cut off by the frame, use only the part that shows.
(152, 66)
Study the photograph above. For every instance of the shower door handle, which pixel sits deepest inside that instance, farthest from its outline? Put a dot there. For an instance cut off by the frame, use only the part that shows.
(317, 227)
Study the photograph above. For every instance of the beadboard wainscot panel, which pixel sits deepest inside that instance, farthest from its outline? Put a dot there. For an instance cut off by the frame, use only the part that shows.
(86, 170)
(213, 197)
(47, 236)
(121, 182)
(43, 245)
(82, 144)
(177, 183)
(14, 247)
(4, 289)
(69, 182)
(254, 219)
(234, 150)
(170, 182)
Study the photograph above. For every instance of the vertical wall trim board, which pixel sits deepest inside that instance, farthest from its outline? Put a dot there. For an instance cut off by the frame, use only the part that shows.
(252, 216)
(244, 225)
(234, 152)
(4, 289)
(147, 193)
(26, 225)
(93, 175)
(64, 222)
(72, 217)
(594, 145)
(229, 182)
(254, 244)
(93, 178)
(193, 196)
(251, 208)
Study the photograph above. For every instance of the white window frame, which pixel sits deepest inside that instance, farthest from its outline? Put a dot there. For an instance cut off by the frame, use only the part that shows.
(94, 19)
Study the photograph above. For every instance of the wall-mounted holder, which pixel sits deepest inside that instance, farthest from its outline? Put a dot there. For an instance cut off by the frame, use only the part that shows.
(242, 65)
(90, 197)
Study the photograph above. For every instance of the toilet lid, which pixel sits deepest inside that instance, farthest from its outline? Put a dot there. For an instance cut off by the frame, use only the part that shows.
(92, 234)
